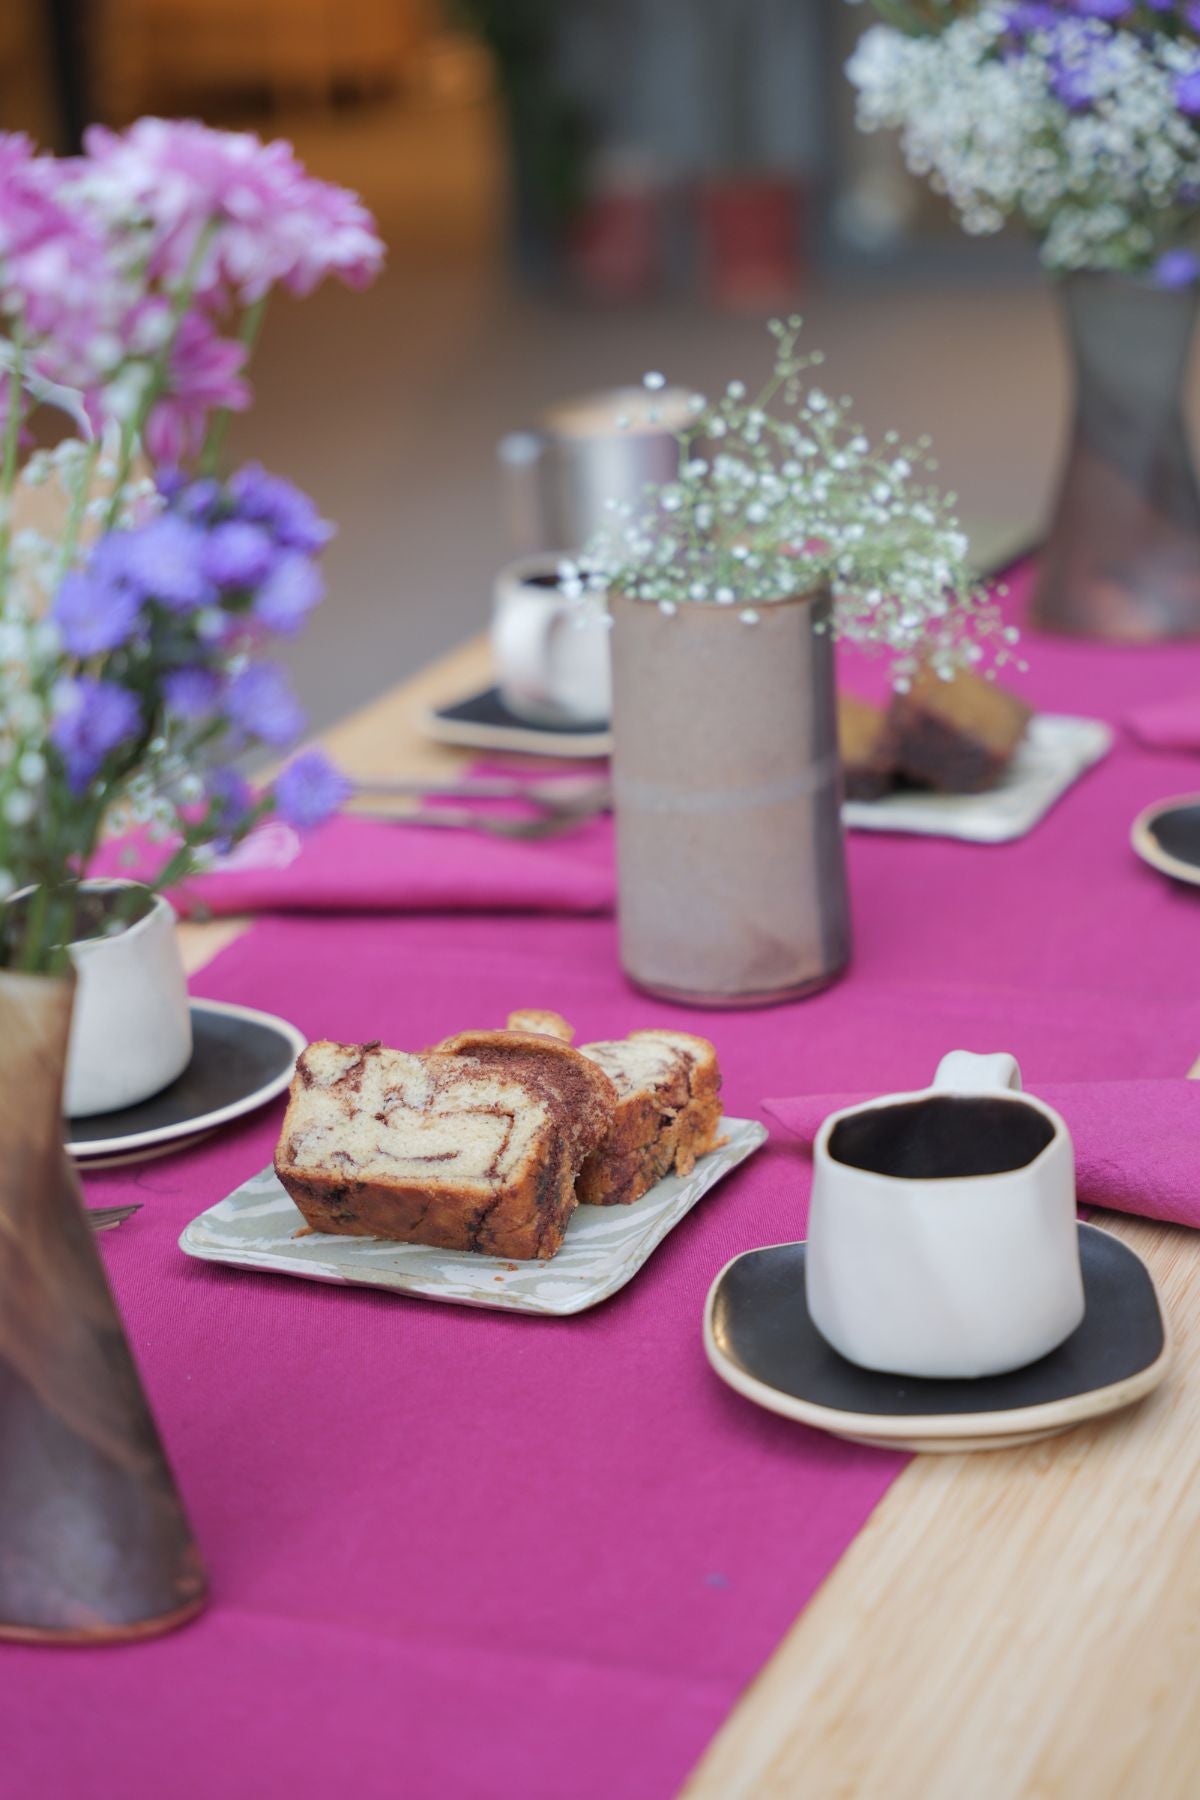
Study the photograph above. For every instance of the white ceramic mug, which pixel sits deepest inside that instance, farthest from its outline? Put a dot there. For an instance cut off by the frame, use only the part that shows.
(131, 1026)
(551, 653)
(942, 1235)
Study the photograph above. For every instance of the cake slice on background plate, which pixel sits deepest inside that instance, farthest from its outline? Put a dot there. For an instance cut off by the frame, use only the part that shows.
(957, 736)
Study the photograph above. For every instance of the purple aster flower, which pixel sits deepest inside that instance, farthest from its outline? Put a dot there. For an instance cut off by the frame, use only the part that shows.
(260, 703)
(1187, 94)
(1102, 9)
(192, 693)
(1029, 16)
(91, 719)
(170, 481)
(1176, 269)
(162, 561)
(1074, 84)
(310, 790)
(230, 799)
(238, 554)
(286, 511)
(289, 594)
(196, 500)
(93, 615)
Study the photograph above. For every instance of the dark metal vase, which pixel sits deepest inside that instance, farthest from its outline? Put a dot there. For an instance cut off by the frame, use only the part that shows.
(726, 785)
(1122, 560)
(94, 1543)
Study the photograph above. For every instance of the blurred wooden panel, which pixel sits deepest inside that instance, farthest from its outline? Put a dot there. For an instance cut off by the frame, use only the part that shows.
(167, 55)
(26, 97)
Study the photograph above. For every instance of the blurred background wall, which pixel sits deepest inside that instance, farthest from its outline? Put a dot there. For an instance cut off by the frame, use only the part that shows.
(572, 192)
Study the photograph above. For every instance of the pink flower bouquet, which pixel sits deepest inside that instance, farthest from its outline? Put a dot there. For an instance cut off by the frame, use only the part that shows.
(133, 282)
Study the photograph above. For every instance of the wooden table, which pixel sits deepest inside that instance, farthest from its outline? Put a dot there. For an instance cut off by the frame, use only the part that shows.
(1021, 1622)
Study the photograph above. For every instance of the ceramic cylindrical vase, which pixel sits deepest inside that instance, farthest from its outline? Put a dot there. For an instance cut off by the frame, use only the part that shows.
(94, 1544)
(1122, 559)
(731, 865)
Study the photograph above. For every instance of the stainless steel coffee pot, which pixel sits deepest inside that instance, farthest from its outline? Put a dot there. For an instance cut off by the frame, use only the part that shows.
(559, 474)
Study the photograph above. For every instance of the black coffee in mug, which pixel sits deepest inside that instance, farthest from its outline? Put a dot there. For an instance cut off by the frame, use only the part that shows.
(944, 1137)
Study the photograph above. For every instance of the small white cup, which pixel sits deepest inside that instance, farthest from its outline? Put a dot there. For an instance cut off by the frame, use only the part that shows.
(942, 1235)
(131, 1026)
(552, 654)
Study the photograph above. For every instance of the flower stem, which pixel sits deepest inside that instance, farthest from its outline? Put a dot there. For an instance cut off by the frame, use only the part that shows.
(133, 427)
(12, 438)
(214, 440)
(74, 524)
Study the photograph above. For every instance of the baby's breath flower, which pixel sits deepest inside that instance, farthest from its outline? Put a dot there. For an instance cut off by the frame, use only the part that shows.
(795, 499)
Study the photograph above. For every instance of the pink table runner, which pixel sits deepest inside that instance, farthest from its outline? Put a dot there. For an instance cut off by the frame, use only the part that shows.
(461, 1555)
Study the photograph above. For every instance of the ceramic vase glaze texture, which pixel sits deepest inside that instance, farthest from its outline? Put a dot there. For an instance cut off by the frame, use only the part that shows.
(94, 1543)
(726, 783)
(1122, 559)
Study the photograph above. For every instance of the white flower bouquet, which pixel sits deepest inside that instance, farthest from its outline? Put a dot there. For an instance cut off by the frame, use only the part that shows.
(1079, 117)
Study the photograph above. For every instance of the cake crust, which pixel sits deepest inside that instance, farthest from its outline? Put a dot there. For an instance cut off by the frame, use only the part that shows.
(547, 1024)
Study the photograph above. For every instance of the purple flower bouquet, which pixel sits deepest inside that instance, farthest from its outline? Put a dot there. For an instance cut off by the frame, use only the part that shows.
(134, 644)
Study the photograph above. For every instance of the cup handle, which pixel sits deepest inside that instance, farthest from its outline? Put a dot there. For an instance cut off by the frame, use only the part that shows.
(965, 1072)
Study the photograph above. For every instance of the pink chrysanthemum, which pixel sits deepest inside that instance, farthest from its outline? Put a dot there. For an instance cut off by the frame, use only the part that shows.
(202, 375)
(59, 286)
(273, 222)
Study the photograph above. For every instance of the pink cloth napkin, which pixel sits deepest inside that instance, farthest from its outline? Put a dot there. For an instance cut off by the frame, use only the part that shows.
(362, 865)
(1167, 724)
(1137, 1143)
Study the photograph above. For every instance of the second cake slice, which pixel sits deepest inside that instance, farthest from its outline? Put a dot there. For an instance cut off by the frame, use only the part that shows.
(668, 1110)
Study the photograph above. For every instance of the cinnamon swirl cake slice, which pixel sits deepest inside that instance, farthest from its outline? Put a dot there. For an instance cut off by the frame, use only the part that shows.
(668, 1109)
(459, 1151)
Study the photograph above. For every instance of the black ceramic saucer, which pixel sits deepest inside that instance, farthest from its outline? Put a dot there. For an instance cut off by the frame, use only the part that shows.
(760, 1339)
(240, 1060)
(483, 722)
(1167, 836)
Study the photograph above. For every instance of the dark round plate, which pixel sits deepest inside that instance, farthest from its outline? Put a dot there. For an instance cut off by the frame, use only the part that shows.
(240, 1060)
(760, 1339)
(1167, 836)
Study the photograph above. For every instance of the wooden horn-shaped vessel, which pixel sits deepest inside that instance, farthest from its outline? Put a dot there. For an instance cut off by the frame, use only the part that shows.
(95, 1546)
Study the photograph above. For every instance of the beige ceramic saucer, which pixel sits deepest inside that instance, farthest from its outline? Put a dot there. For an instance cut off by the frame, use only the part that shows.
(760, 1340)
(1167, 836)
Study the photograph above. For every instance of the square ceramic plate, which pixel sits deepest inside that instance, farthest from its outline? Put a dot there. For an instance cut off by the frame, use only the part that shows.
(605, 1246)
(1056, 752)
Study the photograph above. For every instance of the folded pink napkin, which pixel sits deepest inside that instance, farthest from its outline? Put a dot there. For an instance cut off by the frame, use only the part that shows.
(1137, 1143)
(1167, 724)
(362, 865)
